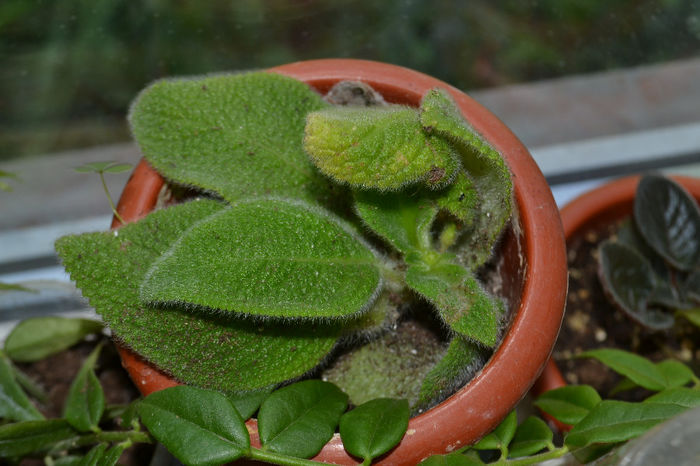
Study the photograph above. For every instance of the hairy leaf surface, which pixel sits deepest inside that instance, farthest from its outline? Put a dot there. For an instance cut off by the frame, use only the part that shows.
(238, 135)
(268, 258)
(206, 350)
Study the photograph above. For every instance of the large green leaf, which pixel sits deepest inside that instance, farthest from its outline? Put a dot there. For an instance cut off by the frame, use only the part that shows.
(383, 148)
(669, 219)
(206, 350)
(14, 404)
(86, 400)
(199, 427)
(239, 135)
(640, 370)
(39, 337)
(569, 404)
(21, 438)
(487, 170)
(299, 419)
(269, 258)
(459, 299)
(375, 427)
(678, 396)
(616, 421)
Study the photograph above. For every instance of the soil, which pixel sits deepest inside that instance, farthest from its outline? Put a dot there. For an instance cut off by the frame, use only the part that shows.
(56, 373)
(592, 322)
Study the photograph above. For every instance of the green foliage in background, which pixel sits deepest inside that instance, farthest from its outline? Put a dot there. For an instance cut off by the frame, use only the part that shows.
(70, 68)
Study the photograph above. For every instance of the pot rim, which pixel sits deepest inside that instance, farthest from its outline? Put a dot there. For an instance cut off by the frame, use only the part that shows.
(477, 407)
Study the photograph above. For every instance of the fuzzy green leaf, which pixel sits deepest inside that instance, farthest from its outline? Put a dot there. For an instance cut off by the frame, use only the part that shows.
(36, 338)
(569, 404)
(375, 427)
(383, 148)
(501, 436)
(531, 436)
(616, 421)
(678, 396)
(640, 370)
(268, 258)
(629, 280)
(21, 438)
(238, 135)
(14, 403)
(232, 355)
(199, 427)
(669, 219)
(459, 363)
(299, 419)
(86, 399)
(459, 299)
(487, 170)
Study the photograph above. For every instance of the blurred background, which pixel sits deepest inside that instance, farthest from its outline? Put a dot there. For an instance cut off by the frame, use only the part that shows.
(69, 68)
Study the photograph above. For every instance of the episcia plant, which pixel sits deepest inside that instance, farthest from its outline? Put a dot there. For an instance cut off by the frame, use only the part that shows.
(314, 228)
(651, 271)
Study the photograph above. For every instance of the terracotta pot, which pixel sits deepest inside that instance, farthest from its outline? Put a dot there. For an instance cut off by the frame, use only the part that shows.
(610, 202)
(534, 273)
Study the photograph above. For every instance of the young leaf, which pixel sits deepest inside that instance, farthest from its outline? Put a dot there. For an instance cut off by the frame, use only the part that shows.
(501, 436)
(616, 421)
(299, 419)
(86, 399)
(21, 438)
(470, 458)
(199, 427)
(569, 404)
(14, 404)
(103, 167)
(678, 396)
(112, 455)
(486, 168)
(38, 337)
(459, 299)
(640, 370)
(629, 280)
(531, 436)
(268, 258)
(218, 133)
(374, 428)
(382, 148)
(669, 219)
(94, 456)
(233, 355)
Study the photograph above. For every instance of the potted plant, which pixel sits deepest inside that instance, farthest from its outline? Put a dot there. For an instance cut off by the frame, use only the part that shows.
(531, 272)
(639, 319)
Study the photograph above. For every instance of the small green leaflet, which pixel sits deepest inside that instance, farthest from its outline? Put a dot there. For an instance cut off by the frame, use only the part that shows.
(103, 167)
(36, 338)
(374, 428)
(14, 403)
(569, 404)
(299, 419)
(86, 400)
(269, 258)
(199, 427)
(382, 148)
(501, 436)
(532, 435)
(640, 370)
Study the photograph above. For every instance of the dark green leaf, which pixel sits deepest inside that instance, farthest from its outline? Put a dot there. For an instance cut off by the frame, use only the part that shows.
(501, 436)
(218, 133)
(382, 148)
(68, 460)
(629, 280)
(199, 427)
(86, 399)
(112, 455)
(14, 404)
(375, 427)
(616, 421)
(624, 385)
(94, 456)
(669, 219)
(299, 419)
(569, 404)
(269, 258)
(532, 436)
(591, 453)
(38, 337)
(471, 458)
(679, 396)
(25, 437)
(640, 370)
(247, 404)
(109, 268)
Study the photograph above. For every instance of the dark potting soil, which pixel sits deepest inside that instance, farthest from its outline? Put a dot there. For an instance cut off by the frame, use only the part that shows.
(56, 373)
(592, 322)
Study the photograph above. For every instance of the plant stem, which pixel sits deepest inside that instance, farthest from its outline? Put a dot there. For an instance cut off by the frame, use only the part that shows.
(109, 198)
(536, 459)
(278, 458)
(107, 437)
